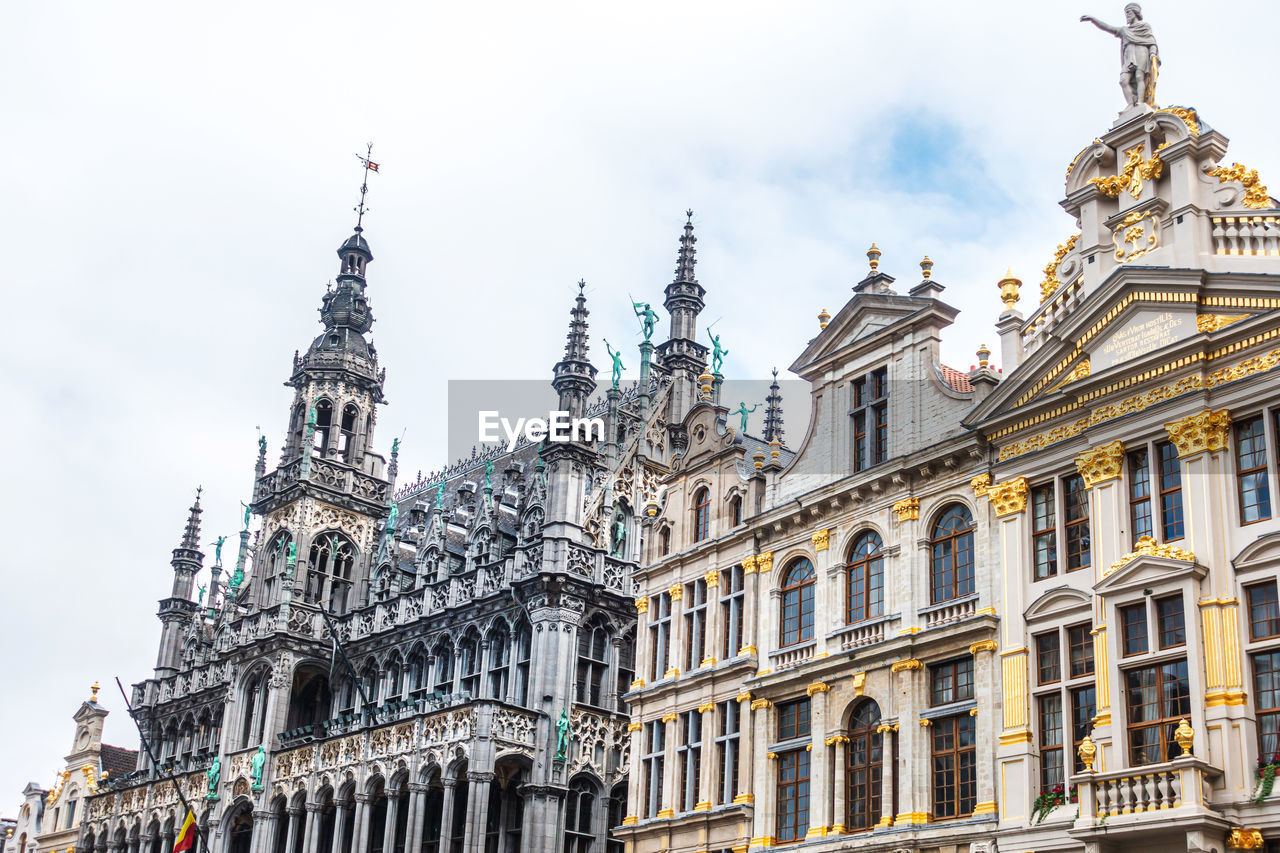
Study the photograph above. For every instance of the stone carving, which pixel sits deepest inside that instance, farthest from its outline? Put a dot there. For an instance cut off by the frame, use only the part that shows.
(1136, 235)
(1139, 56)
(514, 726)
(907, 509)
(981, 485)
(1148, 547)
(1214, 322)
(1009, 497)
(1194, 434)
(821, 540)
(1131, 176)
(1256, 196)
(1101, 464)
(1050, 285)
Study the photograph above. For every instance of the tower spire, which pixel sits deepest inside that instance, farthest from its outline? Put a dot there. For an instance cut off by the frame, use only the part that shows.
(575, 376)
(773, 411)
(687, 256)
(191, 536)
(369, 166)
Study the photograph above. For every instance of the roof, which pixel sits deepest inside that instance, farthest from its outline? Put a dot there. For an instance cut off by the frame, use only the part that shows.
(118, 761)
(958, 380)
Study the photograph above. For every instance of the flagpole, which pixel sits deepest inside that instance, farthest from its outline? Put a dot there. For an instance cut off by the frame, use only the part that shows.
(146, 744)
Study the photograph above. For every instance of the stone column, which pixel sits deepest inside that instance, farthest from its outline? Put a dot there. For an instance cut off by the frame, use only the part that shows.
(711, 649)
(293, 817)
(315, 820)
(912, 756)
(477, 810)
(710, 769)
(636, 781)
(393, 817)
(750, 604)
(839, 745)
(766, 627)
(984, 685)
(669, 793)
(364, 817)
(827, 612)
(889, 772)
(746, 751)
(446, 813)
(264, 833)
(678, 639)
(761, 771)
(819, 771)
(340, 842)
(417, 816)
(644, 647)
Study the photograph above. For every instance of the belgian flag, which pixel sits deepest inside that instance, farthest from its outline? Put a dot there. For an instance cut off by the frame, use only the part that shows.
(187, 837)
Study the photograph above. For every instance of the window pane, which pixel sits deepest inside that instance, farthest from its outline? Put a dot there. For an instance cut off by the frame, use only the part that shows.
(1140, 494)
(1264, 611)
(1133, 621)
(1251, 468)
(1044, 535)
(1080, 642)
(1049, 657)
(1076, 502)
(1172, 629)
(1170, 492)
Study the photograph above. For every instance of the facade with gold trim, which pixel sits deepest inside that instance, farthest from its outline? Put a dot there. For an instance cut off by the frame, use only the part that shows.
(816, 631)
(1136, 435)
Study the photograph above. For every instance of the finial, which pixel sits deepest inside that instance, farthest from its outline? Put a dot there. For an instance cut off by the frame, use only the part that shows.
(757, 458)
(191, 536)
(984, 357)
(1009, 290)
(823, 318)
(873, 257)
(582, 285)
(686, 258)
(369, 166)
(688, 216)
(926, 267)
(95, 688)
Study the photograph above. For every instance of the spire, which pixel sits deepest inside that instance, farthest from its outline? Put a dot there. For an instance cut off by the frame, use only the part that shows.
(773, 411)
(191, 537)
(687, 257)
(345, 304)
(574, 375)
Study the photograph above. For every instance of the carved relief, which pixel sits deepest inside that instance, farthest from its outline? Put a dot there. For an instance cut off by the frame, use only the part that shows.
(1101, 464)
(1194, 434)
(908, 509)
(1136, 235)
(1009, 497)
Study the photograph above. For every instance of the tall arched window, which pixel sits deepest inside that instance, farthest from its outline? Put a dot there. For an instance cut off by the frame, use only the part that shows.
(273, 565)
(797, 602)
(626, 671)
(593, 662)
(395, 678)
(865, 579)
(417, 671)
(443, 653)
(523, 653)
(951, 562)
(866, 761)
(347, 433)
(579, 805)
(329, 572)
(701, 514)
(469, 664)
(499, 642)
(324, 423)
(253, 700)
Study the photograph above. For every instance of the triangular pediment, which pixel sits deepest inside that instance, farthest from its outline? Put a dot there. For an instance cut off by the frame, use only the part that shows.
(863, 320)
(1142, 571)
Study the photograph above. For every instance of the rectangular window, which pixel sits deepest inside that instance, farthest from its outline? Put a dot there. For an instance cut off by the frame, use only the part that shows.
(728, 745)
(1158, 698)
(1044, 535)
(1080, 649)
(695, 624)
(660, 634)
(1049, 657)
(1140, 494)
(1264, 611)
(1051, 766)
(655, 743)
(1266, 687)
(1133, 627)
(951, 681)
(793, 796)
(732, 599)
(1083, 709)
(689, 759)
(955, 777)
(1075, 498)
(870, 419)
(793, 719)
(1170, 492)
(1169, 621)
(1251, 470)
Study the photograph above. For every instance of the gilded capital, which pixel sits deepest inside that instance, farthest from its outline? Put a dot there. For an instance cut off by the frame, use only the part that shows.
(642, 605)
(818, 687)
(908, 509)
(821, 540)
(981, 485)
(669, 718)
(1101, 464)
(1009, 497)
(712, 577)
(1198, 433)
(705, 707)
(1245, 839)
(743, 697)
(634, 727)
(982, 646)
(676, 591)
(764, 562)
(748, 565)
(906, 665)
(757, 704)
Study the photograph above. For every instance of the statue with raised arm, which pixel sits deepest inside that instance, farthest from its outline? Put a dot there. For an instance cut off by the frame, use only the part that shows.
(744, 411)
(247, 512)
(217, 550)
(199, 595)
(256, 766)
(392, 516)
(262, 445)
(717, 353)
(1139, 57)
(647, 316)
(562, 736)
(213, 775)
(617, 364)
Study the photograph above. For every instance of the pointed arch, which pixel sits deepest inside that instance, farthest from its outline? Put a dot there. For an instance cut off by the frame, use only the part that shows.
(498, 651)
(330, 567)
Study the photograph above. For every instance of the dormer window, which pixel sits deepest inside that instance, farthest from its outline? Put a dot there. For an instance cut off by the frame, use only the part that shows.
(870, 414)
(701, 514)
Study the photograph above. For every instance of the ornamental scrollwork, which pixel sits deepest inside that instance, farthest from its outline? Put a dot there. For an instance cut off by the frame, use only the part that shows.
(1208, 430)
(1101, 464)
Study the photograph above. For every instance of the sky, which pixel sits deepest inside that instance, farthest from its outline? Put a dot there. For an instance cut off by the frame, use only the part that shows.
(177, 177)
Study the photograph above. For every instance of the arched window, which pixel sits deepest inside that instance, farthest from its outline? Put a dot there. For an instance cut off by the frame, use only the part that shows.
(347, 433)
(626, 666)
(417, 671)
(797, 602)
(469, 664)
(443, 654)
(701, 514)
(499, 642)
(735, 509)
(324, 422)
(593, 663)
(253, 702)
(951, 560)
(273, 566)
(865, 579)
(395, 678)
(371, 682)
(329, 571)
(866, 762)
(297, 426)
(664, 541)
(579, 805)
(523, 653)
(617, 814)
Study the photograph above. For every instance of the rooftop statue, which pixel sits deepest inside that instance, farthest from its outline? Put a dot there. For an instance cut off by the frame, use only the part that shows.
(217, 550)
(744, 412)
(1139, 60)
(717, 353)
(617, 364)
(648, 317)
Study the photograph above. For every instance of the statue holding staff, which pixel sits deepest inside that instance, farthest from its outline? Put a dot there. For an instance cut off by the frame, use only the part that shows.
(648, 318)
(1139, 57)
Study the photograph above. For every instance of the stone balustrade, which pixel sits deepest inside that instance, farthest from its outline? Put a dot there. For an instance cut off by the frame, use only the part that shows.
(1246, 233)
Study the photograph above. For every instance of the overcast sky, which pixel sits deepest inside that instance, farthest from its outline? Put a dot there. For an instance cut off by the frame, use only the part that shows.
(176, 178)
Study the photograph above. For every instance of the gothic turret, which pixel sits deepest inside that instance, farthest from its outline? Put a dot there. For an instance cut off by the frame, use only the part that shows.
(575, 376)
(175, 611)
(773, 411)
(681, 354)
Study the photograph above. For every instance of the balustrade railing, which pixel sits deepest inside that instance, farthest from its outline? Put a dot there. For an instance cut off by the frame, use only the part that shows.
(1131, 794)
(1246, 234)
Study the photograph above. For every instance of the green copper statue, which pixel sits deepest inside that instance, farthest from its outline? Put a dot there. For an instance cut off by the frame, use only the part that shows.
(213, 775)
(562, 736)
(199, 596)
(617, 364)
(488, 474)
(619, 534)
(256, 767)
(395, 447)
(292, 559)
(247, 513)
(262, 445)
(717, 354)
(217, 550)
(392, 516)
(648, 317)
(440, 495)
(744, 411)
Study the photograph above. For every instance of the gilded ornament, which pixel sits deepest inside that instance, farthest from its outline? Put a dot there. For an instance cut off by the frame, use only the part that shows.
(1076, 159)
(1050, 285)
(835, 739)
(748, 565)
(642, 605)
(712, 577)
(823, 319)
(1185, 736)
(818, 687)
(743, 697)
(1194, 434)
(1256, 196)
(764, 562)
(1245, 839)
(821, 540)
(859, 683)
(908, 509)
(634, 727)
(1189, 118)
(1009, 286)
(1131, 177)
(906, 665)
(669, 718)
(676, 591)
(758, 704)
(924, 724)
(1214, 322)
(1148, 547)
(1009, 497)
(1101, 464)
(706, 707)
(981, 484)
(1138, 239)
(1087, 752)
(982, 646)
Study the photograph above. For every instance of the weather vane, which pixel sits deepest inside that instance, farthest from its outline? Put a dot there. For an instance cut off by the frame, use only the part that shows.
(369, 166)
